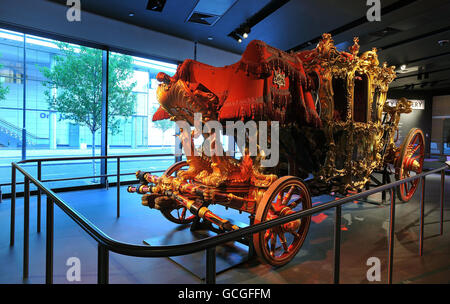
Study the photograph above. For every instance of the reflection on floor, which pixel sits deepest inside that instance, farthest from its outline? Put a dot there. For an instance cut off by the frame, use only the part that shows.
(364, 235)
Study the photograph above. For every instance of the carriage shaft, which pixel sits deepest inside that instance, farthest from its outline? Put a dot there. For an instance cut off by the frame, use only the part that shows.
(197, 208)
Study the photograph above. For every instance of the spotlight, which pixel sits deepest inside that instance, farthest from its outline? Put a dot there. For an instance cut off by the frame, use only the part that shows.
(403, 67)
(131, 14)
(246, 30)
(235, 36)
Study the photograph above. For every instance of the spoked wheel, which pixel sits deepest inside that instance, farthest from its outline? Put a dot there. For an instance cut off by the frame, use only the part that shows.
(278, 245)
(410, 163)
(179, 214)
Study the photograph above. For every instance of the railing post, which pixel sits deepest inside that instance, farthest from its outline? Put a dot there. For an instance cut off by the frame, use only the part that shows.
(38, 219)
(210, 265)
(49, 243)
(337, 245)
(391, 236)
(13, 205)
(102, 265)
(383, 193)
(422, 215)
(178, 145)
(442, 201)
(118, 186)
(251, 247)
(26, 227)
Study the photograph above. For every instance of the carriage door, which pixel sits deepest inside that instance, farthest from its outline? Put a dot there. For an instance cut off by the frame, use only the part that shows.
(360, 97)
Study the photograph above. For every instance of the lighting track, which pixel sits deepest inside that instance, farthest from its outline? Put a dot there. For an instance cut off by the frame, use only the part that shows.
(263, 13)
(425, 72)
(422, 84)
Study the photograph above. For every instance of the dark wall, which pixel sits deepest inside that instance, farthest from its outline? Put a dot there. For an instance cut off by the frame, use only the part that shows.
(417, 118)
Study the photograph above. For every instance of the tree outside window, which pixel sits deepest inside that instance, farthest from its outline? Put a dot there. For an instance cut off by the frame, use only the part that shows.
(74, 88)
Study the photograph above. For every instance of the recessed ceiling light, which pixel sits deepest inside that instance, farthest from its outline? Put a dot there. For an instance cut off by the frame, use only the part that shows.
(443, 42)
(131, 14)
(210, 38)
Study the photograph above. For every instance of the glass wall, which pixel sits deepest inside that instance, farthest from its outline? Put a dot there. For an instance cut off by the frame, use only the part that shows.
(61, 102)
(132, 103)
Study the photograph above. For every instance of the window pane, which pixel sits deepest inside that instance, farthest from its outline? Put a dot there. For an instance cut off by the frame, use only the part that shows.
(132, 103)
(11, 103)
(62, 106)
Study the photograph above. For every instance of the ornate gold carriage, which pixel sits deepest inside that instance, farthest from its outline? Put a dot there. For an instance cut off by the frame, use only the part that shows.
(336, 130)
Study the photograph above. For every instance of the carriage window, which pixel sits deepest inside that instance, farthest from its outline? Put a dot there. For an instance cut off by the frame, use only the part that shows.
(374, 111)
(340, 98)
(360, 97)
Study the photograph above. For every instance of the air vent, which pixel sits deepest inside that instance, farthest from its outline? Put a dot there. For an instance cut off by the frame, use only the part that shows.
(156, 5)
(208, 12)
(385, 32)
(203, 18)
(371, 38)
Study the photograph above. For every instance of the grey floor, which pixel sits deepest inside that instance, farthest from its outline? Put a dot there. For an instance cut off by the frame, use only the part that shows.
(364, 235)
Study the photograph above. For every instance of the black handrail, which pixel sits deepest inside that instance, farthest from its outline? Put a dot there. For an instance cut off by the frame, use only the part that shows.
(107, 243)
(91, 157)
(81, 177)
(39, 161)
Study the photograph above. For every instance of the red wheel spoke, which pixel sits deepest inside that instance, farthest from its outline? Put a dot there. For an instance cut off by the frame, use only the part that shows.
(295, 203)
(414, 150)
(283, 241)
(279, 197)
(288, 196)
(183, 213)
(267, 235)
(413, 142)
(273, 243)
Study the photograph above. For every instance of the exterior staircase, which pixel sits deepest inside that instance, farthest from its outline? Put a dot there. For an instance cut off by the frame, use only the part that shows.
(11, 136)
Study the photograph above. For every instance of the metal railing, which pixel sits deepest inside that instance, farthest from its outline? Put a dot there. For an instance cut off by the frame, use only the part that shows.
(107, 244)
(39, 162)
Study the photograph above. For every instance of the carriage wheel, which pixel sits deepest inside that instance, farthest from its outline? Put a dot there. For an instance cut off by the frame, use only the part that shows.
(410, 163)
(278, 245)
(180, 214)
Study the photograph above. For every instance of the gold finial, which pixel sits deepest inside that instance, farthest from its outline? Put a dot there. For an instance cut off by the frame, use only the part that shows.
(354, 49)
